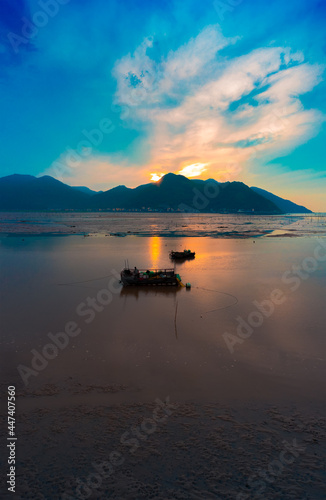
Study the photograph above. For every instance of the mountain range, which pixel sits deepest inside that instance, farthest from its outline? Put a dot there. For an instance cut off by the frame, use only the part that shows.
(171, 193)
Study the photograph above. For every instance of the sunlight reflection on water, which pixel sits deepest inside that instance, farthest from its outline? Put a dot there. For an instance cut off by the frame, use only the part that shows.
(133, 340)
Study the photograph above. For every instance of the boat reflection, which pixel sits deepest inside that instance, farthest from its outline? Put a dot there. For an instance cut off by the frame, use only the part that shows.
(181, 260)
(141, 291)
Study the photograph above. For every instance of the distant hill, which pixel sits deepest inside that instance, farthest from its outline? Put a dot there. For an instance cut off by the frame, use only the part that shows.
(176, 192)
(285, 206)
(86, 190)
(171, 193)
(25, 192)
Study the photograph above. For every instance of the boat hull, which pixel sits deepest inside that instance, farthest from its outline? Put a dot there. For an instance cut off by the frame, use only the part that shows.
(182, 255)
(150, 278)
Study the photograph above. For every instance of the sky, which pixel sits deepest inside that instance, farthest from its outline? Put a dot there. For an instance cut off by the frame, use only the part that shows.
(100, 93)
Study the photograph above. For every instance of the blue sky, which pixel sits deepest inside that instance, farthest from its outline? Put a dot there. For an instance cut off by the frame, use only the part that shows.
(103, 93)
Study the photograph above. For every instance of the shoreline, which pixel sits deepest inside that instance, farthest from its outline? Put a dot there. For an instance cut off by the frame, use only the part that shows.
(227, 235)
(161, 225)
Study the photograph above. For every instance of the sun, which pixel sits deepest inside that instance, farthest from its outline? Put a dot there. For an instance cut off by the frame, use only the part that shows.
(156, 177)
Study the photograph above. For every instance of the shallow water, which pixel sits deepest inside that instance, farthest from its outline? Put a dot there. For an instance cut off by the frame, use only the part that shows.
(161, 224)
(230, 413)
(149, 342)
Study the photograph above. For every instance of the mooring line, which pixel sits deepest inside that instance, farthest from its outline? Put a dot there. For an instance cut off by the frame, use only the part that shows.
(175, 320)
(236, 300)
(86, 281)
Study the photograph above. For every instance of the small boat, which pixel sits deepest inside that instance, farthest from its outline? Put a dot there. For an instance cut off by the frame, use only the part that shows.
(186, 254)
(149, 277)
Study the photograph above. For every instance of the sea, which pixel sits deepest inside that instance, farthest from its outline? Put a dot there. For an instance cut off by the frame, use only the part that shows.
(165, 392)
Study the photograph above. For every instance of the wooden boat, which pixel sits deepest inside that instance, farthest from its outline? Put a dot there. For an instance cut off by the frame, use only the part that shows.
(186, 254)
(149, 277)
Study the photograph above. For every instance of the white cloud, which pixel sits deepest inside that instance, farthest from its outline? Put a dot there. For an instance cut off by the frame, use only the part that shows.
(201, 108)
(193, 170)
(144, 82)
(223, 112)
(190, 60)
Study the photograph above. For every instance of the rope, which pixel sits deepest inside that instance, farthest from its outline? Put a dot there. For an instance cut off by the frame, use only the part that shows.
(180, 283)
(236, 300)
(86, 281)
(175, 321)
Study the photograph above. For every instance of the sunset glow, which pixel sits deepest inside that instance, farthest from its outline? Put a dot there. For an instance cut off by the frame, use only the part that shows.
(163, 235)
(193, 170)
(154, 250)
(211, 99)
(156, 177)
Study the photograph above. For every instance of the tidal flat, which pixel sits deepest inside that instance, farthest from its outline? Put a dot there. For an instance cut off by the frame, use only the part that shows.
(172, 224)
(216, 392)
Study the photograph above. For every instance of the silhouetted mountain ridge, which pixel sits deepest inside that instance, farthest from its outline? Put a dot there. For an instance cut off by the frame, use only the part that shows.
(171, 193)
(286, 206)
(178, 193)
(25, 192)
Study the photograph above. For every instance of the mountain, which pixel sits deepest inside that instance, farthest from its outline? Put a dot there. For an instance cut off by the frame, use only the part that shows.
(86, 190)
(25, 192)
(172, 192)
(177, 192)
(285, 206)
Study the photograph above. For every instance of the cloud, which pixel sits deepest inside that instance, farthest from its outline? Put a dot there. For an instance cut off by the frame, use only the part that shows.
(145, 82)
(99, 172)
(200, 108)
(193, 170)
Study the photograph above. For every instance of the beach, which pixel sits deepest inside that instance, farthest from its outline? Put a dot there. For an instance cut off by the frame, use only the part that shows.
(213, 392)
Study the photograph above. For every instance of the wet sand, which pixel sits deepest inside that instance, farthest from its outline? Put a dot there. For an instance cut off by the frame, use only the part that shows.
(231, 413)
(201, 451)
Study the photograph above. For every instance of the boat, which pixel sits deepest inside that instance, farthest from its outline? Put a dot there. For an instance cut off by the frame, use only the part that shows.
(149, 277)
(186, 254)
